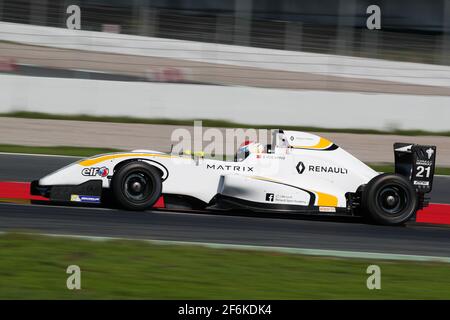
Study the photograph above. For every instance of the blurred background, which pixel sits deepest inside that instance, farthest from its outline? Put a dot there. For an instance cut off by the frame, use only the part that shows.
(413, 30)
(312, 64)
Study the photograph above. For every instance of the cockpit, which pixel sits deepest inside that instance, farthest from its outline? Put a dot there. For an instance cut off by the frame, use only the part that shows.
(279, 140)
(285, 142)
(248, 147)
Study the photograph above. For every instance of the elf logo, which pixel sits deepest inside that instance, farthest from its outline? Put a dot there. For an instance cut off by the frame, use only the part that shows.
(270, 197)
(90, 172)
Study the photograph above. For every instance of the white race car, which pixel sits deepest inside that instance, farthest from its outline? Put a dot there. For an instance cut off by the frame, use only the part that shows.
(298, 173)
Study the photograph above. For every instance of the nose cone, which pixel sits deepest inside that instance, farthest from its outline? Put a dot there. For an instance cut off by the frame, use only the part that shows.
(69, 175)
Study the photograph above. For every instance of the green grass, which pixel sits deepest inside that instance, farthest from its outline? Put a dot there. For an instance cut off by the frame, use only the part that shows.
(212, 123)
(34, 267)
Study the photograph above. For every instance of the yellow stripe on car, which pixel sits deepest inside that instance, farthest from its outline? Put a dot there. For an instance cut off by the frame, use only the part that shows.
(263, 178)
(326, 200)
(322, 144)
(94, 161)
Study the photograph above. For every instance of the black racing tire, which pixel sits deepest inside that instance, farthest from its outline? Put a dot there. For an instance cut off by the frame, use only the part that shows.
(136, 186)
(389, 199)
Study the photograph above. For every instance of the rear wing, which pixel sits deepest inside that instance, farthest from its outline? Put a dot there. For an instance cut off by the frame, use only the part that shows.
(417, 163)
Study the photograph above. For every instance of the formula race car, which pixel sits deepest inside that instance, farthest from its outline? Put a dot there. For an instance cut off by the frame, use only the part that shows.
(297, 173)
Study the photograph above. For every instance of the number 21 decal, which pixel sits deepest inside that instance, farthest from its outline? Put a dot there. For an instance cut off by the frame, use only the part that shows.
(421, 170)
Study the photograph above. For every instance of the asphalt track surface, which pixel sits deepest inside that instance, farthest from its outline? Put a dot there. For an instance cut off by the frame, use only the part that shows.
(348, 235)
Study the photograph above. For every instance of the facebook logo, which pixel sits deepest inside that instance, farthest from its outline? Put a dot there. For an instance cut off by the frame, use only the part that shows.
(270, 197)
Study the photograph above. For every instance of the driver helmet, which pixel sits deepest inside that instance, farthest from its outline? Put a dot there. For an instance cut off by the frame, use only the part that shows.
(248, 147)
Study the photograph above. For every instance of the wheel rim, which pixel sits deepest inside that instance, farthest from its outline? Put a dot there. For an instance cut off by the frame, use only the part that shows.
(137, 186)
(393, 199)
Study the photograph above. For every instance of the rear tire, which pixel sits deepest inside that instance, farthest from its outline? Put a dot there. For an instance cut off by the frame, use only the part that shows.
(389, 199)
(137, 186)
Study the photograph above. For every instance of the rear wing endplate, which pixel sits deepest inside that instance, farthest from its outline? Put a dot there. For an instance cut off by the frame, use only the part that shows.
(417, 163)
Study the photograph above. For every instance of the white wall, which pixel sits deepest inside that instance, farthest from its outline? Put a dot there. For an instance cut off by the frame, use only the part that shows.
(239, 104)
(325, 64)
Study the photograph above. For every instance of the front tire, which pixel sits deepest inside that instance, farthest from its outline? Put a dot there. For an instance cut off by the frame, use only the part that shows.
(389, 199)
(137, 186)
